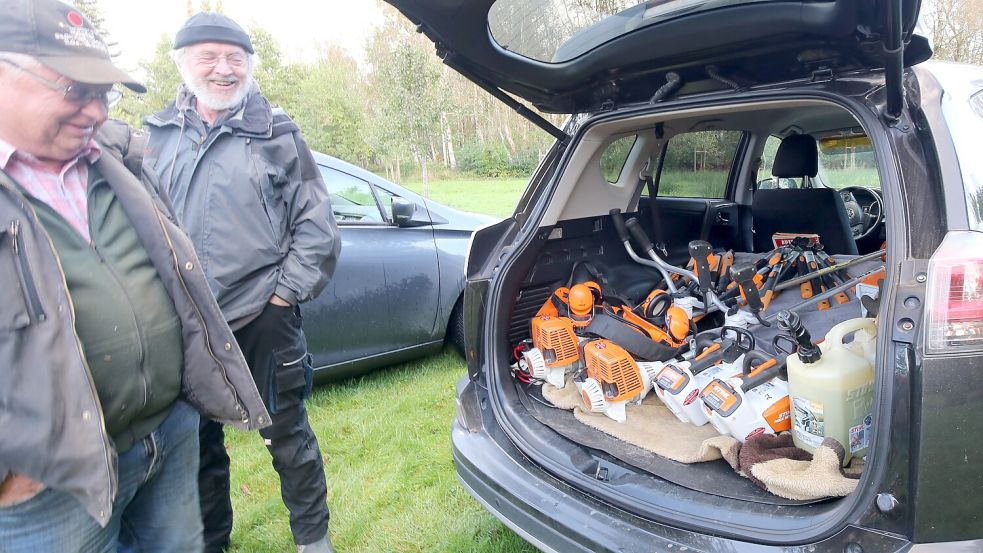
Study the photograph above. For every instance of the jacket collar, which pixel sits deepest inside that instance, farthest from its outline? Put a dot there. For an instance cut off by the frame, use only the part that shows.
(253, 117)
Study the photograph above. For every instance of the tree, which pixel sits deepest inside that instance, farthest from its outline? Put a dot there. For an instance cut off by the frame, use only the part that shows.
(90, 9)
(162, 83)
(956, 27)
(329, 107)
(277, 81)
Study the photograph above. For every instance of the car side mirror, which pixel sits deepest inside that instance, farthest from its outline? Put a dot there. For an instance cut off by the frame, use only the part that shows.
(403, 211)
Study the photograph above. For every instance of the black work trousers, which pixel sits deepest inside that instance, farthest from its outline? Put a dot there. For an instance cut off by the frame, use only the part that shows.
(276, 350)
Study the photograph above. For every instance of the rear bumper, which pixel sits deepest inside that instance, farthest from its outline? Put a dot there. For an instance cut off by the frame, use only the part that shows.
(554, 516)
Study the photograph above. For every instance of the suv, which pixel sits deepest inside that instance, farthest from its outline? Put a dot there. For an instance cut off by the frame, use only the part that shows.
(727, 121)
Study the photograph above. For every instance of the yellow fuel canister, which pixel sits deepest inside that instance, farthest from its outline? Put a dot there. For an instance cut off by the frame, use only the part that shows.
(831, 387)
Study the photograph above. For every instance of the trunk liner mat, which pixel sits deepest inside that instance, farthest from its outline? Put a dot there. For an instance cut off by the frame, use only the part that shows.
(713, 477)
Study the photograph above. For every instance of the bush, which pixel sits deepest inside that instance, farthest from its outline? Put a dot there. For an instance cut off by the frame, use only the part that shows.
(494, 161)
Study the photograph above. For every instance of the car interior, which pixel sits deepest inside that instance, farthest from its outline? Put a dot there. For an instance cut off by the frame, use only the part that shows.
(737, 177)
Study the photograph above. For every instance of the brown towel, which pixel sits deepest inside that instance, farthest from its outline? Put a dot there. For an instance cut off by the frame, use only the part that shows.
(773, 463)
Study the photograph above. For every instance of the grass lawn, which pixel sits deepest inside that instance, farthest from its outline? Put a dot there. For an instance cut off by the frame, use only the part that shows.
(492, 196)
(385, 438)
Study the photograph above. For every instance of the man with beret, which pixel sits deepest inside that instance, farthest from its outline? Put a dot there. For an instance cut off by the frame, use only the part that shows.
(245, 186)
(111, 342)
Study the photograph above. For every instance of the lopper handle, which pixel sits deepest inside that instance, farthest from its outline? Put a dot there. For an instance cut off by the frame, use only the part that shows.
(619, 224)
(636, 230)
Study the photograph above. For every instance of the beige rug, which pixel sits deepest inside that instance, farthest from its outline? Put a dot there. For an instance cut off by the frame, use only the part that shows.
(772, 464)
(651, 426)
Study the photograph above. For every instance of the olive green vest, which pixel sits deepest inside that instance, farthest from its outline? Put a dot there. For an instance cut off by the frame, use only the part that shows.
(124, 317)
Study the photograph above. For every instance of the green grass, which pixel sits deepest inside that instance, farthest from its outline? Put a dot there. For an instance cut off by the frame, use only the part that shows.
(385, 438)
(493, 196)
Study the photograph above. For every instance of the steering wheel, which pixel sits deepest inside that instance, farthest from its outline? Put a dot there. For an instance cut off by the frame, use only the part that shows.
(863, 220)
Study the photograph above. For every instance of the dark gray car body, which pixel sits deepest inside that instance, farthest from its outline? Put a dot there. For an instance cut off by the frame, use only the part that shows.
(920, 490)
(395, 287)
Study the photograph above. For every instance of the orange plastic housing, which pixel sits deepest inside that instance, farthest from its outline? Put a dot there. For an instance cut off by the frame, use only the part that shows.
(614, 368)
(555, 338)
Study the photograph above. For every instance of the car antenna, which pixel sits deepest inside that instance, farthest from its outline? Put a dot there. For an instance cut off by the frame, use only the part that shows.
(673, 83)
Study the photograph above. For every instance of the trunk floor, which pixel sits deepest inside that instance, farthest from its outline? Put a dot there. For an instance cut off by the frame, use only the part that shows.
(713, 477)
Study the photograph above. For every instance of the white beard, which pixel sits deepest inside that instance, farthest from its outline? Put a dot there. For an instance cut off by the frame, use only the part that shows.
(199, 87)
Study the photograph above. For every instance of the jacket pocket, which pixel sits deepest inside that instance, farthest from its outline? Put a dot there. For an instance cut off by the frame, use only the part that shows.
(21, 302)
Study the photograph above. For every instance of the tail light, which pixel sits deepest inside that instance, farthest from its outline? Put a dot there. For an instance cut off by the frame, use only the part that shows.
(954, 312)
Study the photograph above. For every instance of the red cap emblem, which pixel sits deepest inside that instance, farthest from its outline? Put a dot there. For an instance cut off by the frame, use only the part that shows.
(76, 19)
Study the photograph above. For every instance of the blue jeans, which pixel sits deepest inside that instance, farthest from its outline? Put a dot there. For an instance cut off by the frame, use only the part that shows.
(156, 506)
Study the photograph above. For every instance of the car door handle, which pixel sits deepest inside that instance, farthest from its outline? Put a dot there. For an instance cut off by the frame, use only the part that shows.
(722, 218)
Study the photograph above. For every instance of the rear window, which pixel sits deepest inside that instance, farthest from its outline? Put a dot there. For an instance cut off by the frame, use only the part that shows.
(697, 164)
(560, 30)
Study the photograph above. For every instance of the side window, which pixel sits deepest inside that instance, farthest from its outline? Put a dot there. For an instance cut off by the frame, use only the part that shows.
(386, 200)
(614, 157)
(697, 164)
(351, 198)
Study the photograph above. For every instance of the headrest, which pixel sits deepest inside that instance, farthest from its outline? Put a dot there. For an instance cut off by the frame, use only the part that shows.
(797, 156)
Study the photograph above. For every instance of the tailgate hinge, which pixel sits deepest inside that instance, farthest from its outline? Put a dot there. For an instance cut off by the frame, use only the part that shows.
(909, 301)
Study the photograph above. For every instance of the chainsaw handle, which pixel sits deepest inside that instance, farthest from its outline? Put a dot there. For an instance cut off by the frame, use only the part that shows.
(751, 357)
(619, 224)
(750, 383)
(638, 233)
(700, 251)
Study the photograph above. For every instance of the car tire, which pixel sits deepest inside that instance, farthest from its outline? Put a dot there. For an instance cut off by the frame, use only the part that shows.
(455, 326)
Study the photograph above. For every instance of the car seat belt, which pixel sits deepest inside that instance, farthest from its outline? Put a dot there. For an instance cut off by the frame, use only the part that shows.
(645, 179)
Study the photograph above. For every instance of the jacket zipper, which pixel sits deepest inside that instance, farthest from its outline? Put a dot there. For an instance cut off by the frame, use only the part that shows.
(25, 274)
(204, 327)
(107, 446)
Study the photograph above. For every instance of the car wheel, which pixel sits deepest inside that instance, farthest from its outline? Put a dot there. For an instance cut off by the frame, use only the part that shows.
(455, 326)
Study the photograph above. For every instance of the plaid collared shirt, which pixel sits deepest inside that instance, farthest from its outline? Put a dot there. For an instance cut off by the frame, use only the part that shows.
(63, 189)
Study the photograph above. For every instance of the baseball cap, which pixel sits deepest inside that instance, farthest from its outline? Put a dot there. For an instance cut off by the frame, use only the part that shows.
(62, 39)
(212, 27)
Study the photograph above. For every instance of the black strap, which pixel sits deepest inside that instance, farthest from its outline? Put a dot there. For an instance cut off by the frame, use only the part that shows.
(612, 328)
(645, 179)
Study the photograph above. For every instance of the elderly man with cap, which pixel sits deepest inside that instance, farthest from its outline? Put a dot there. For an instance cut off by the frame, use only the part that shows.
(245, 186)
(111, 342)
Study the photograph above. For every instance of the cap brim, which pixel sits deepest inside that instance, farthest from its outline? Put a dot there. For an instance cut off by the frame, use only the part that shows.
(91, 71)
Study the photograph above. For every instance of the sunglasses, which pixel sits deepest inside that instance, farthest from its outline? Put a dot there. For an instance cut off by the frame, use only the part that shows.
(75, 93)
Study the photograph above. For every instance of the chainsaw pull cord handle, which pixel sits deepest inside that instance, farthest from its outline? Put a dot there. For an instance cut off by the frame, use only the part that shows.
(744, 277)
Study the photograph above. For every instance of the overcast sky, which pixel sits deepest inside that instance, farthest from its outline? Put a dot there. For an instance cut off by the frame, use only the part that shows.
(299, 26)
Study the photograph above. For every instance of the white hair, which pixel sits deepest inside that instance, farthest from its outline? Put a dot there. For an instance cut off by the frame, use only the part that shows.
(199, 88)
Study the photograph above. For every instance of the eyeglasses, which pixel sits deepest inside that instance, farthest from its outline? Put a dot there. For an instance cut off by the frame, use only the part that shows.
(76, 93)
(210, 59)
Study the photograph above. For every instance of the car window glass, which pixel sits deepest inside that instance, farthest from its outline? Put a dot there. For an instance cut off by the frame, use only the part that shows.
(561, 30)
(847, 161)
(351, 198)
(386, 201)
(697, 164)
(614, 157)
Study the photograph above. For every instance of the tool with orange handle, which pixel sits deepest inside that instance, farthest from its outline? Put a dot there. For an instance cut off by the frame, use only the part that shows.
(752, 403)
